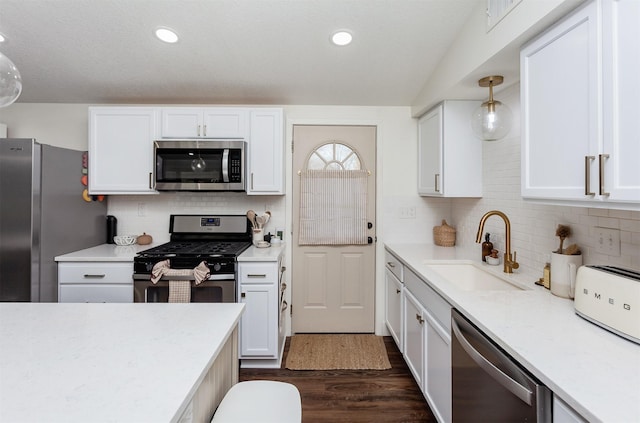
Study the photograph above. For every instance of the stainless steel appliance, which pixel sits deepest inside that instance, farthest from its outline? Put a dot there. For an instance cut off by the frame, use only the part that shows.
(42, 215)
(199, 165)
(489, 385)
(215, 239)
(610, 297)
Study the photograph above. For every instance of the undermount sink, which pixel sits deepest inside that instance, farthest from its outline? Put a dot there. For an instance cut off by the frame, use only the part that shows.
(469, 277)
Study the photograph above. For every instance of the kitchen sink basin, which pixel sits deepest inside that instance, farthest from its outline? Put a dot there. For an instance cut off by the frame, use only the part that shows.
(469, 277)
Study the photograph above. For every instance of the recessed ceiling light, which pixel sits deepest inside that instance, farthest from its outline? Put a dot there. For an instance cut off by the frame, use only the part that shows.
(341, 38)
(167, 35)
(2, 38)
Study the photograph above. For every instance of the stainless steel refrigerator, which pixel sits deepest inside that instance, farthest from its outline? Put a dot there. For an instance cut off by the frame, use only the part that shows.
(42, 215)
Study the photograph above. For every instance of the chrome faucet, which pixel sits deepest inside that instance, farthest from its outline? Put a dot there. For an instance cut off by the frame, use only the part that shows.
(509, 262)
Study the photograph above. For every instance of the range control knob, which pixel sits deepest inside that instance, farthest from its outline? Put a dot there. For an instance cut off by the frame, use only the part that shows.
(216, 267)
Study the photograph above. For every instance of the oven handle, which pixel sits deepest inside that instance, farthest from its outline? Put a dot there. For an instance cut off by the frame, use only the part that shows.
(216, 277)
(511, 385)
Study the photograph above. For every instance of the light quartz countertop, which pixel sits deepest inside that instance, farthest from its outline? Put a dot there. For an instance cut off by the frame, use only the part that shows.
(106, 252)
(594, 371)
(107, 362)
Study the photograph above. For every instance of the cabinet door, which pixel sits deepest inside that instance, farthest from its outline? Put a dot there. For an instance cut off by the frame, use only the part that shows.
(393, 309)
(220, 122)
(182, 122)
(430, 138)
(266, 151)
(437, 378)
(560, 120)
(259, 325)
(121, 149)
(414, 337)
(621, 61)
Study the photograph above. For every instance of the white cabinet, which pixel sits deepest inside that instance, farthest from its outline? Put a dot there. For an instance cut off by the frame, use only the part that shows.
(261, 335)
(393, 302)
(428, 343)
(621, 60)
(580, 126)
(562, 413)
(95, 282)
(414, 337)
(449, 155)
(211, 122)
(121, 149)
(266, 152)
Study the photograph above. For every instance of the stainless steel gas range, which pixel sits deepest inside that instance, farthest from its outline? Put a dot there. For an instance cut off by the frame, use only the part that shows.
(214, 241)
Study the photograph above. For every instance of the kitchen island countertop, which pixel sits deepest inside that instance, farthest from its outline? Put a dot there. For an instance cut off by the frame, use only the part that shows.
(107, 362)
(594, 371)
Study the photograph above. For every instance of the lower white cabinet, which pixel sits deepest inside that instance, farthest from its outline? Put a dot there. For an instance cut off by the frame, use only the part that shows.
(427, 343)
(393, 307)
(95, 282)
(261, 336)
(562, 413)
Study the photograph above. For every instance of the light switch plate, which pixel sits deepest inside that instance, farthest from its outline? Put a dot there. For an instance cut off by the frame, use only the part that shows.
(607, 241)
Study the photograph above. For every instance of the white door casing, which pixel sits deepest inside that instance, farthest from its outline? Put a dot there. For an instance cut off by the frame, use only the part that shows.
(333, 286)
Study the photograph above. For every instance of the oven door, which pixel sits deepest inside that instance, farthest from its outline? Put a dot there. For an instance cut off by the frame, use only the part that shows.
(194, 165)
(209, 291)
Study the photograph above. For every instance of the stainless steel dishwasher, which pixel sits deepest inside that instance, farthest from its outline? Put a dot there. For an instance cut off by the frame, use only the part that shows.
(487, 384)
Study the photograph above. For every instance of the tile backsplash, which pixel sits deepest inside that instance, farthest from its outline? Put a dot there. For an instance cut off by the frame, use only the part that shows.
(150, 213)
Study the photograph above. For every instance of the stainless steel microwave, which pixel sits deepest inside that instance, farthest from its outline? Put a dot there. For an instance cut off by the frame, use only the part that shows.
(199, 165)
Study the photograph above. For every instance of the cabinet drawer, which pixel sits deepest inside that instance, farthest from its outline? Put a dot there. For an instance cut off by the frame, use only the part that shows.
(258, 272)
(95, 272)
(437, 306)
(95, 293)
(394, 265)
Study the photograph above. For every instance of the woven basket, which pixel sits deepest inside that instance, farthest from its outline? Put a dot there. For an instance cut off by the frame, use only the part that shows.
(445, 235)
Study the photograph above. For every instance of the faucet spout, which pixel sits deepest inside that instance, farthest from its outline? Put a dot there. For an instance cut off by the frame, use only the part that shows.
(510, 262)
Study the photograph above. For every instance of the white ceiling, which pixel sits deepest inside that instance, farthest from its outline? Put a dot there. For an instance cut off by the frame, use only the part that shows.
(230, 51)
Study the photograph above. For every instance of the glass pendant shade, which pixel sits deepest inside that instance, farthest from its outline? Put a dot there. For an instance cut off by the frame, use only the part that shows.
(491, 122)
(10, 81)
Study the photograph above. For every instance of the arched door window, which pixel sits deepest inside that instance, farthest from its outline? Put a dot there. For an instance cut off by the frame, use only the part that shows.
(334, 156)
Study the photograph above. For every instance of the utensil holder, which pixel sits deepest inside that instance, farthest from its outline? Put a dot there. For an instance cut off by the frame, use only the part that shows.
(258, 236)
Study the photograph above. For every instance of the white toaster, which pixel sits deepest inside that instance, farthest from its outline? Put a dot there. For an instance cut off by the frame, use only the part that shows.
(610, 297)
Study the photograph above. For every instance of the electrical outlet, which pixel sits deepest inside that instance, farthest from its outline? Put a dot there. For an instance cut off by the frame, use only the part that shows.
(608, 241)
(407, 212)
(142, 209)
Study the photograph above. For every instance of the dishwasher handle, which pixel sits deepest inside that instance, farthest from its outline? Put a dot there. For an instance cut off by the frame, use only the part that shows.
(498, 375)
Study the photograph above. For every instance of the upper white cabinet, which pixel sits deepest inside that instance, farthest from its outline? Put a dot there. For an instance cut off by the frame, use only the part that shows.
(449, 155)
(210, 122)
(621, 60)
(266, 152)
(121, 149)
(580, 129)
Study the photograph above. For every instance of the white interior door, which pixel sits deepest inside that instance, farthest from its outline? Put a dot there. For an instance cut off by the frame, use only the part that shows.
(333, 286)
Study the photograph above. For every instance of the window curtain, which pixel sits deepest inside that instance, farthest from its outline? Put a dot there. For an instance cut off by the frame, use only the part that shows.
(333, 207)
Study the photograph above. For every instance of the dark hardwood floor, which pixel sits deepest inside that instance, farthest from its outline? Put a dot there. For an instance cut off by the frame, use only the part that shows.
(354, 395)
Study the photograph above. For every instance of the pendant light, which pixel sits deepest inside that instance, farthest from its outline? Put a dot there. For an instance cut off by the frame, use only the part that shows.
(492, 120)
(10, 81)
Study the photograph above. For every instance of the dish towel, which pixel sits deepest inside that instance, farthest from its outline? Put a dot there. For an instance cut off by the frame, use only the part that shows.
(179, 290)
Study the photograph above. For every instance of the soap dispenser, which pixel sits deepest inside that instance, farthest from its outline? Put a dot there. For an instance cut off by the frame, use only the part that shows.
(487, 246)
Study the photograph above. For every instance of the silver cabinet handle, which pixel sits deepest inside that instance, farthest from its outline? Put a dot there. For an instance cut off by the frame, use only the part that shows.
(601, 158)
(511, 385)
(256, 275)
(150, 180)
(252, 180)
(437, 177)
(94, 276)
(587, 178)
(391, 264)
(198, 130)
(204, 130)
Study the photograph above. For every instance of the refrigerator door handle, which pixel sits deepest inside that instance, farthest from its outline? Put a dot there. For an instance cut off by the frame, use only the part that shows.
(511, 385)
